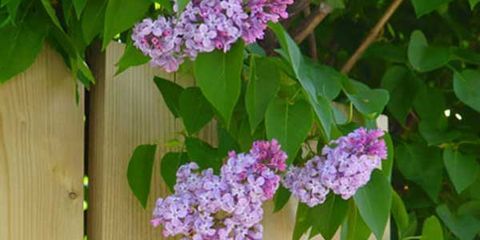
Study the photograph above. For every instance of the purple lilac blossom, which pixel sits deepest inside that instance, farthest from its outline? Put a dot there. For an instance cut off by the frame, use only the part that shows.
(224, 207)
(159, 40)
(305, 183)
(345, 166)
(203, 26)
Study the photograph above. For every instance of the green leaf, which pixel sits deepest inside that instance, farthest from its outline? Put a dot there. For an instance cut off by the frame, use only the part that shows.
(425, 58)
(93, 18)
(308, 74)
(436, 135)
(433, 125)
(79, 5)
(226, 142)
(281, 198)
(293, 54)
(171, 94)
(320, 80)
(202, 153)
(302, 222)
(465, 227)
(327, 217)
(336, 4)
(386, 51)
(139, 172)
(20, 45)
(422, 165)
(402, 86)
(432, 229)
(387, 164)
(423, 7)
(12, 7)
(473, 3)
(262, 88)
(374, 202)
(470, 208)
(323, 110)
(463, 169)
(131, 57)
(466, 85)
(218, 76)
(84, 74)
(399, 213)
(169, 166)
(181, 4)
(466, 55)
(194, 110)
(289, 124)
(354, 228)
(121, 15)
(51, 12)
(369, 102)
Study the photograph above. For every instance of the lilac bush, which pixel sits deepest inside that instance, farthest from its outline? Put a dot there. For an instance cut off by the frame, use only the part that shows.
(345, 166)
(203, 26)
(228, 206)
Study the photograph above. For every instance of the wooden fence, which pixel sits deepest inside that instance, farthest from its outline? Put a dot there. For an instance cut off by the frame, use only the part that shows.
(46, 139)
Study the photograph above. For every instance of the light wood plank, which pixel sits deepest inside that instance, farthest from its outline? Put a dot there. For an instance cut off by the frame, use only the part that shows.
(41, 154)
(127, 110)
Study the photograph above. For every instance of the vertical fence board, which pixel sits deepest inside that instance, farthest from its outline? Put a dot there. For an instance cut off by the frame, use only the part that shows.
(41, 154)
(127, 110)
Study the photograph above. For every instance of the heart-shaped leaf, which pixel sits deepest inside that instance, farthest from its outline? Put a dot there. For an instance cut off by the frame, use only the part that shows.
(432, 229)
(289, 124)
(218, 76)
(262, 87)
(170, 163)
(466, 86)
(374, 202)
(463, 169)
(423, 7)
(171, 94)
(139, 173)
(422, 165)
(194, 110)
(423, 57)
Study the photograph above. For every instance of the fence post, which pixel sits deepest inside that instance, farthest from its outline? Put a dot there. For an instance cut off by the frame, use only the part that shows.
(41, 153)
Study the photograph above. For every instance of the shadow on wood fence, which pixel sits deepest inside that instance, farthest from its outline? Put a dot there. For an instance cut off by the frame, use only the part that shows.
(48, 143)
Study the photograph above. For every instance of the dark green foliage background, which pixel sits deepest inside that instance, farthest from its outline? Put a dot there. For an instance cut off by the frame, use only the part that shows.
(422, 72)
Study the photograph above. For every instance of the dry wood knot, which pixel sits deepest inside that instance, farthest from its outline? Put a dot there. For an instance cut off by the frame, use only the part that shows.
(72, 195)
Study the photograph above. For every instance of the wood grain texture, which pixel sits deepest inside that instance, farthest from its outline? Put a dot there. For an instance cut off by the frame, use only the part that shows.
(127, 110)
(41, 154)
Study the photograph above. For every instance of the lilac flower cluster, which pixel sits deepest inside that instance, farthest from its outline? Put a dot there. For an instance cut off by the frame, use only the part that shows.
(306, 183)
(345, 166)
(224, 207)
(203, 26)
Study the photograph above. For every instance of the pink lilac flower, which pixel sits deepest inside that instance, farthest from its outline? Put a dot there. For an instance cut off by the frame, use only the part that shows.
(203, 26)
(224, 207)
(345, 166)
